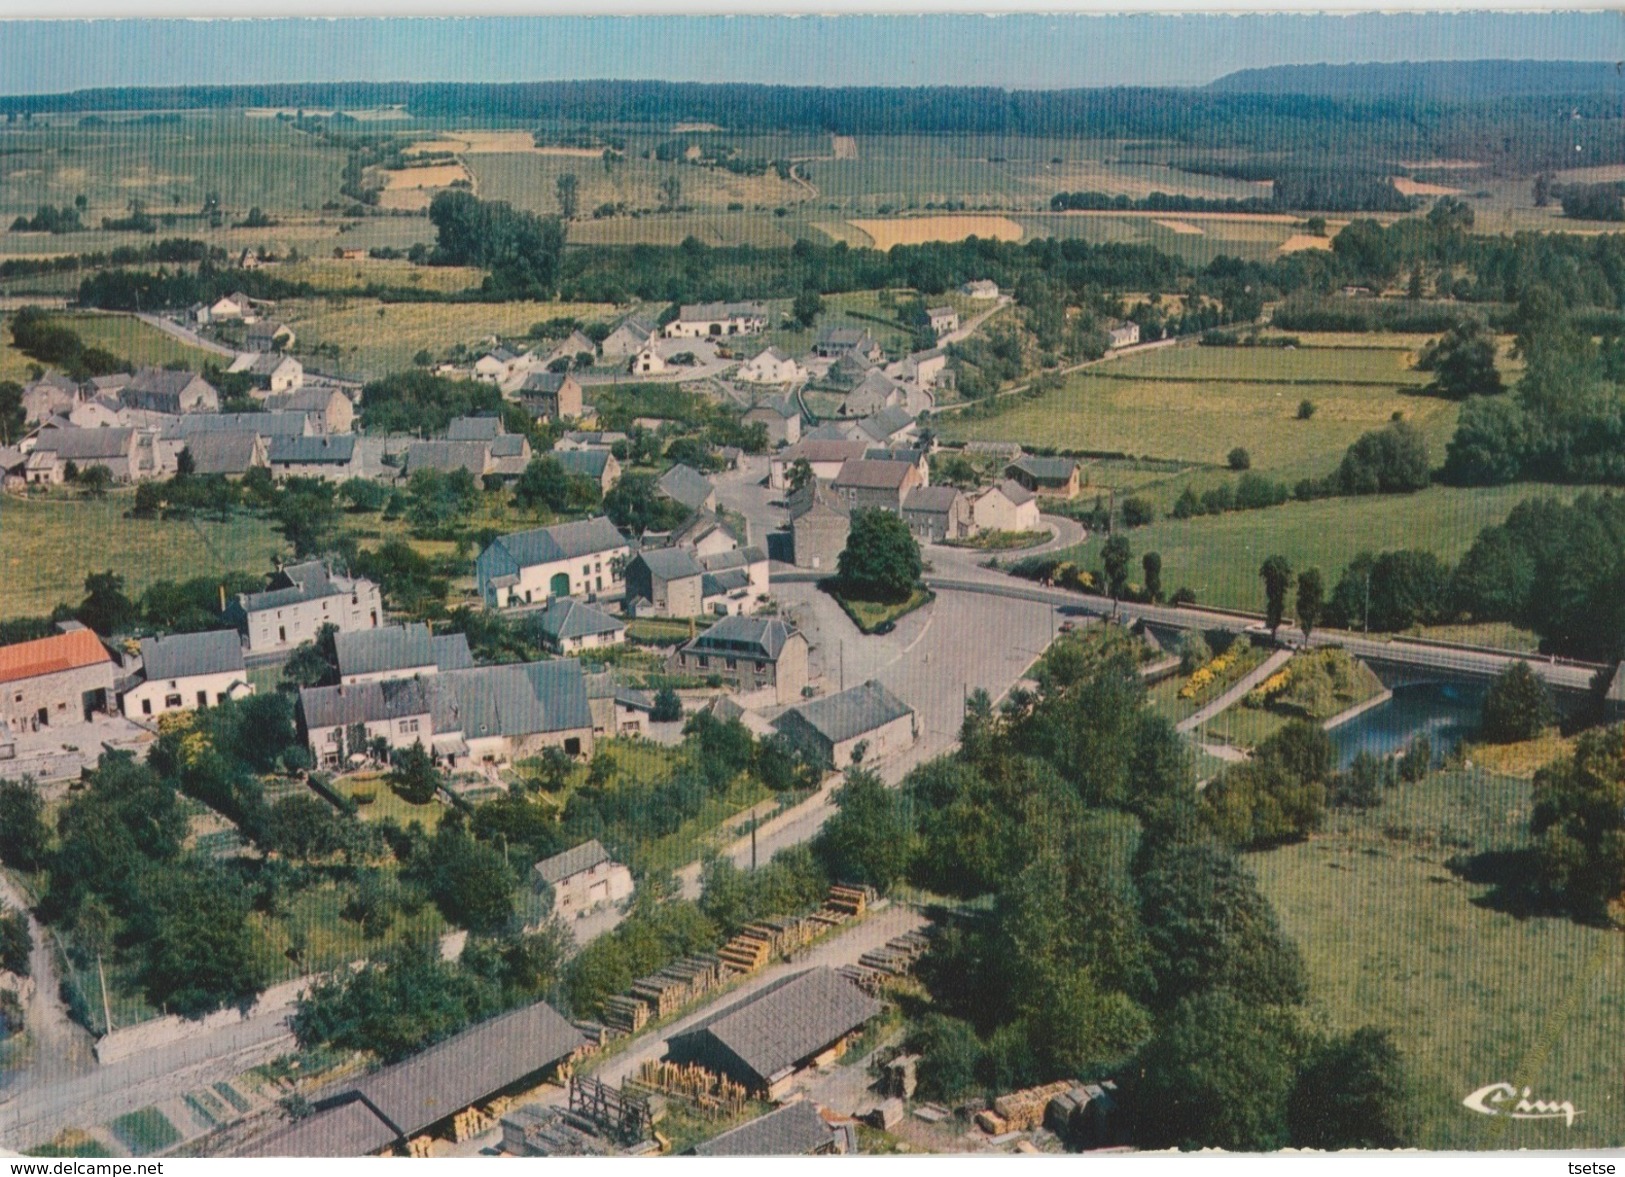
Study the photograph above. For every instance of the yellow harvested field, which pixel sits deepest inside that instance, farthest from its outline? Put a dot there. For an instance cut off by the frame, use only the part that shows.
(845, 146)
(1304, 241)
(1454, 165)
(918, 230)
(1605, 174)
(490, 143)
(439, 176)
(1182, 227)
(1412, 188)
(695, 128)
(1237, 218)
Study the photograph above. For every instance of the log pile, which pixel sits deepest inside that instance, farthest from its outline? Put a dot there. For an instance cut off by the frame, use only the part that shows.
(896, 958)
(626, 1014)
(715, 1095)
(676, 985)
(1022, 1111)
(469, 1123)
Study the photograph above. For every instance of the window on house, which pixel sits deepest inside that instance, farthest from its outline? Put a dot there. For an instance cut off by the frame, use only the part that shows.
(203, 698)
(572, 746)
(146, 707)
(172, 701)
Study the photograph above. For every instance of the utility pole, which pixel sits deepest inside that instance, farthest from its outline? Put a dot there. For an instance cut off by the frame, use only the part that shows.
(1365, 618)
(107, 1012)
(753, 847)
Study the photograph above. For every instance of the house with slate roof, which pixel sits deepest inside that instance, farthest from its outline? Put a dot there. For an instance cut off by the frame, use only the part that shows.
(598, 465)
(583, 878)
(569, 626)
(269, 371)
(876, 391)
(617, 709)
(628, 338)
(780, 416)
(864, 483)
(943, 319)
(686, 485)
(834, 342)
(752, 653)
(832, 728)
(707, 534)
(585, 559)
(826, 457)
(116, 449)
(298, 600)
(765, 1040)
(489, 715)
(551, 396)
(735, 581)
(333, 456)
(230, 455)
(718, 318)
(819, 526)
(160, 390)
(938, 513)
(794, 1130)
(771, 366)
(1005, 506)
(185, 671)
(329, 409)
(399, 651)
(1053, 478)
(59, 681)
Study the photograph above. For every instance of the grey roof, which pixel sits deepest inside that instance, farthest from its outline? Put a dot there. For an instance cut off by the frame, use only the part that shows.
(545, 382)
(896, 453)
(367, 702)
(851, 713)
(223, 453)
(843, 336)
(1015, 492)
(943, 310)
(862, 473)
(266, 329)
(670, 563)
(811, 495)
(700, 312)
(715, 584)
(642, 324)
(447, 456)
(836, 431)
(700, 524)
(583, 463)
(78, 445)
(387, 648)
(281, 424)
(824, 450)
(306, 582)
(509, 445)
(593, 437)
(686, 485)
(265, 363)
(183, 655)
(853, 365)
(320, 448)
(572, 861)
(562, 541)
(932, 500)
(474, 429)
(162, 381)
(754, 636)
(566, 618)
(1045, 469)
(874, 389)
(519, 699)
(400, 1101)
(734, 558)
(882, 424)
(779, 406)
(312, 398)
(791, 1020)
(795, 1129)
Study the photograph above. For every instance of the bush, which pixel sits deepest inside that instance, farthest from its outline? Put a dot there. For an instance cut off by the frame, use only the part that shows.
(667, 708)
(1517, 706)
(1138, 511)
(1194, 652)
(1239, 459)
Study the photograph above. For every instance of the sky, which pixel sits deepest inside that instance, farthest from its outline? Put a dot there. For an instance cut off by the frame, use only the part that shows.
(1018, 50)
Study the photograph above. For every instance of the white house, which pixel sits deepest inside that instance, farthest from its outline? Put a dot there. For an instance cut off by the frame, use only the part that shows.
(272, 372)
(983, 289)
(942, 319)
(568, 626)
(583, 559)
(398, 651)
(1006, 506)
(583, 878)
(496, 365)
(718, 318)
(1125, 336)
(298, 601)
(832, 728)
(771, 366)
(628, 338)
(185, 671)
(647, 360)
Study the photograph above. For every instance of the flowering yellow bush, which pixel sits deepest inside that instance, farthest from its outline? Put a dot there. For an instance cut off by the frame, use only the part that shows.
(1204, 675)
(1270, 687)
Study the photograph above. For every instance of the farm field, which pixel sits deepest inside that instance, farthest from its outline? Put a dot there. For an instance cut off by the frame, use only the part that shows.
(48, 547)
(529, 180)
(916, 230)
(1195, 404)
(131, 339)
(1474, 995)
(1218, 555)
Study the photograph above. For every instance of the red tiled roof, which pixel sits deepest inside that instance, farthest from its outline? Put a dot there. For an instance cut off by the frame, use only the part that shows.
(67, 651)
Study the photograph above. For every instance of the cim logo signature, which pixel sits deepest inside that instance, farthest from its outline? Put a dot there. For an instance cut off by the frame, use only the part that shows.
(1503, 1099)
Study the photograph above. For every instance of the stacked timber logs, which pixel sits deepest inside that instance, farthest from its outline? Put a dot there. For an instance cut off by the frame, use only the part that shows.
(896, 958)
(626, 1014)
(713, 1094)
(1022, 1111)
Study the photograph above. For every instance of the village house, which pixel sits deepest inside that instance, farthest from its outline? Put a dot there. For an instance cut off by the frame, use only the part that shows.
(398, 651)
(819, 526)
(282, 424)
(825, 457)
(569, 626)
(160, 390)
(718, 318)
(863, 483)
(942, 319)
(185, 671)
(101, 412)
(780, 416)
(581, 879)
(268, 335)
(938, 513)
(1126, 335)
(706, 534)
(63, 680)
(617, 710)
(1005, 506)
(735, 581)
(116, 449)
(328, 409)
(664, 582)
(920, 371)
(752, 653)
(335, 457)
(835, 342)
(1052, 478)
(572, 347)
(687, 486)
(647, 360)
(270, 372)
(597, 465)
(495, 365)
(448, 456)
(551, 396)
(914, 455)
(229, 455)
(582, 559)
(48, 396)
(875, 392)
(771, 366)
(833, 729)
(298, 600)
(628, 337)
(588, 439)
(848, 370)
(982, 289)
(479, 715)
(764, 1041)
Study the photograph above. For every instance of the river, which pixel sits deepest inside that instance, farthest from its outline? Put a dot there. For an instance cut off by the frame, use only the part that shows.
(1445, 712)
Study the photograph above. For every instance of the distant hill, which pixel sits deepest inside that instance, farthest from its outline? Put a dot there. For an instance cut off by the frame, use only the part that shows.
(1430, 81)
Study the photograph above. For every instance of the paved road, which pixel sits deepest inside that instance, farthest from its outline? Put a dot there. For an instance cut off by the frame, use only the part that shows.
(1258, 674)
(968, 328)
(185, 334)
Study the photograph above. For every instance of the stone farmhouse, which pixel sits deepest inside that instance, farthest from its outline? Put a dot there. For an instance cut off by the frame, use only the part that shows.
(335, 457)
(942, 319)
(271, 372)
(59, 681)
(835, 342)
(569, 626)
(826, 457)
(398, 651)
(831, 729)
(583, 878)
(298, 600)
(551, 396)
(479, 715)
(186, 671)
(718, 318)
(162, 391)
(866, 483)
(329, 410)
(771, 366)
(938, 513)
(1005, 506)
(687, 486)
(598, 465)
(1056, 478)
(819, 526)
(780, 416)
(584, 559)
(628, 337)
(116, 449)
